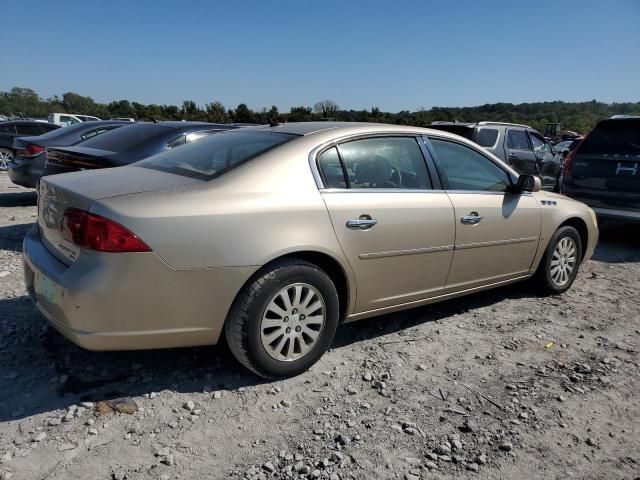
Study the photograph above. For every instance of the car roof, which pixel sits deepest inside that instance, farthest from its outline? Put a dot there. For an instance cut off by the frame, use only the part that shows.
(23, 122)
(180, 124)
(483, 123)
(343, 128)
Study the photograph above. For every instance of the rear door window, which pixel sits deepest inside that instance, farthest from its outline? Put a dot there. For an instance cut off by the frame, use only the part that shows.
(486, 137)
(385, 162)
(517, 140)
(331, 169)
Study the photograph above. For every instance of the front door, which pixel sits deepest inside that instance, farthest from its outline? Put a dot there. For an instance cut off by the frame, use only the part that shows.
(497, 232)
(395, 230)
(518, 151)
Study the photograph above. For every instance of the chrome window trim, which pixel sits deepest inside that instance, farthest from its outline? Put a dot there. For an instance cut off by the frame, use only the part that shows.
(320, 149)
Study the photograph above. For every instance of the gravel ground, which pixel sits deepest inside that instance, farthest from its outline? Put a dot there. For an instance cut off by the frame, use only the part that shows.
(500, 384)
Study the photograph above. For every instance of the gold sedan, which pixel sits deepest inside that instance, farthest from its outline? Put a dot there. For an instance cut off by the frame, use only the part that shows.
(274, 235)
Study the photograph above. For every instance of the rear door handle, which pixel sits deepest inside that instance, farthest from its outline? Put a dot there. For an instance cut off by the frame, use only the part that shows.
(472, 219)
(362, 223)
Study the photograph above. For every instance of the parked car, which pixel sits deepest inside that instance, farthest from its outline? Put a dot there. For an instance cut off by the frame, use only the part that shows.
(520, 146)
(127, 145)
(604, 169)
(29, 158)
(562, 146)
(265, 234)
(18, 128)
(66, 119)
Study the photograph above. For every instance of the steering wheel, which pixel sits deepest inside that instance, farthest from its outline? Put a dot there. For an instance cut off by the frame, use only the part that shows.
(396, 178)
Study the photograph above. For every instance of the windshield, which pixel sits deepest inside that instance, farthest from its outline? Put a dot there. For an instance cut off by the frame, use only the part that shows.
(212, 156)
(620, 137)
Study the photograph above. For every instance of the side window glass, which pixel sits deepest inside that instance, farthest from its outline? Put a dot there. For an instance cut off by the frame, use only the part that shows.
(539, 145)
(517, 140)
(385, 162)
(29, 130)
(486, 137)
(7, 128)
(331, 169)
(176, 142)
(466, 169)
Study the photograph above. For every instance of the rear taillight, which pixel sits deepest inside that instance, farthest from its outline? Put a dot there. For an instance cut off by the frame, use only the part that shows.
(31, 151)
(94, 232)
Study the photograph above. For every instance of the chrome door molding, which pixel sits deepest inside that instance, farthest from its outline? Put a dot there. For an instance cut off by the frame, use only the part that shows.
(397, 253)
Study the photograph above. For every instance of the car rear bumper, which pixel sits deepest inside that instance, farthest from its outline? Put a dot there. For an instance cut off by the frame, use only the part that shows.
(25, 174)
(129, 301)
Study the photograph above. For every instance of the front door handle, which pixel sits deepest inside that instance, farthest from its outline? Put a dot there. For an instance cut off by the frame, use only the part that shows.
(472, 219)
(365, 222)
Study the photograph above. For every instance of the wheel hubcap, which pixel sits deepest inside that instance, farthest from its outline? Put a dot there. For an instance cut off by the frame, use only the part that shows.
(292, 322)
(563, 261)
(5, 158)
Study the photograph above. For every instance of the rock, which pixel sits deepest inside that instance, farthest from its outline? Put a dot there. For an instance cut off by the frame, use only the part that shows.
(560, 398)
(169, 460)
(456, 445)
(268, 466)
(591, 442)
(524, 415)
(124, 405)
(431, 465)
(162, 452)
(315, 473)
(334, 476)
(66, 446)
(285, 403)
(216, 395)
(431, 456)
(351, 390)
(103, 408)
(93, 431)
(468, 426)
(6, 458)
(367, 377)
(87, 405)
(442, 450)
(506, 446)
(343, 440)
(39, 437)
(411, 476)
(337, 457)
(52, 422)
(472, 467)
(189, 405)
(481, 459)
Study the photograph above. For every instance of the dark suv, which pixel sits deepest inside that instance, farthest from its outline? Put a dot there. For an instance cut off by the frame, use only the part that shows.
(520, 146)
(604, 170)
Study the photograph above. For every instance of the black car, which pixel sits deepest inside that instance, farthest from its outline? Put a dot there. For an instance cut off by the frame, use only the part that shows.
(127, 145)
(519, 146)
(29, 157)
(604, 169)
(18, 128)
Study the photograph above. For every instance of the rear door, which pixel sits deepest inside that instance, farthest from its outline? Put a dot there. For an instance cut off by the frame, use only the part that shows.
(396, 231)
(518, 152)
(605, 171)
(497, 232)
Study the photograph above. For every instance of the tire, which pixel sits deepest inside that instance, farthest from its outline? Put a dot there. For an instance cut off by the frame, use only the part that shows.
(6, 155)
(561, 261)
(260, 314)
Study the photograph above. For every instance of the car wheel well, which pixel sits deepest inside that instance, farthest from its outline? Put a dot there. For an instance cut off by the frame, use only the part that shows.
(331, 267)
(581, 227)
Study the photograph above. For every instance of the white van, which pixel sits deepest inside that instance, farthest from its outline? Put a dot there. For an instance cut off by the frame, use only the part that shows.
(66, 119)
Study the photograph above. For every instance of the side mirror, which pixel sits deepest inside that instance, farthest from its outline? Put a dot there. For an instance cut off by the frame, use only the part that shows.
(529, 183)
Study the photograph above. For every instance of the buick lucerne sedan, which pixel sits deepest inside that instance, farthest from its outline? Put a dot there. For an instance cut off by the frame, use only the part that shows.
(272, 236)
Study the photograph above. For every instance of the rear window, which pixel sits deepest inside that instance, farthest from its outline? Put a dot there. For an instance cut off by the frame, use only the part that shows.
(215, 155)
(128, 137)
(486, 137)
(620, 137)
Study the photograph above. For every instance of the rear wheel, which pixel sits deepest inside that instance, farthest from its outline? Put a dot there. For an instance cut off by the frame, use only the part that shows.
(559, 266)
(284, 319)
(6, 156)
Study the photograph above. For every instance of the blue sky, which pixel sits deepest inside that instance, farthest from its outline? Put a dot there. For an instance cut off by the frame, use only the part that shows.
(396, 55)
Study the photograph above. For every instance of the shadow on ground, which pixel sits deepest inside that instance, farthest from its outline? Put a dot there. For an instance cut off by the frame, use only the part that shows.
(619, 242)
(11, 236)
(35, 358)
(18, 199)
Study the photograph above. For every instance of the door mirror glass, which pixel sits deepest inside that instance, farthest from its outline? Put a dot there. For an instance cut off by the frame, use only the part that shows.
(529, 183)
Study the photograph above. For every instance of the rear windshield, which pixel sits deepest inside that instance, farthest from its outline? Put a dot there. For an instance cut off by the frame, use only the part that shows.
(486, 137)
(621, 137)
(126, 138)
(214, 155)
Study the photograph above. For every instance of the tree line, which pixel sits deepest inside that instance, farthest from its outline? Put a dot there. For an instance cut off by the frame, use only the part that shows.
(576, 116)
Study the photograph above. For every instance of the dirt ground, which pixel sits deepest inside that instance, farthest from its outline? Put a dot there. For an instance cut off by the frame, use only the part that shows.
(497, 385)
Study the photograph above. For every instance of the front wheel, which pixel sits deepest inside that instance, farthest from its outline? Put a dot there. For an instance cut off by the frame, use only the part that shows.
(284, 319)
(559, 265)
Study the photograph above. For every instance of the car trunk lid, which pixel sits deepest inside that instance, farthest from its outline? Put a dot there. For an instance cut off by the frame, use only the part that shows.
(79, 158)
(79, 190)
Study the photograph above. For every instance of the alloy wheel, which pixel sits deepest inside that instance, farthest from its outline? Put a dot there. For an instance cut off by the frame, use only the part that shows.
(5, 157)
(292, 322)
(563, 261)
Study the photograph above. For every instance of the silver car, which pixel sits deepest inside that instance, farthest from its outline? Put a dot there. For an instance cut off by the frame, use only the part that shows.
(273, 235)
